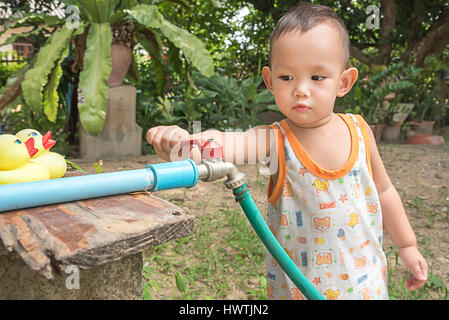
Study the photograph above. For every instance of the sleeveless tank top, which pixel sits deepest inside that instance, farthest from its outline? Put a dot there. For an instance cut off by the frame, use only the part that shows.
(328, 221)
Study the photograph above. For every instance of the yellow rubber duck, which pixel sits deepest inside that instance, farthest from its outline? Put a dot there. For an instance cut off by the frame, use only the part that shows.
(54, 162)
(15, 166)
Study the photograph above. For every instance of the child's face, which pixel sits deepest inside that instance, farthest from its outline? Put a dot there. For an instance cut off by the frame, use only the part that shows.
(307, 73)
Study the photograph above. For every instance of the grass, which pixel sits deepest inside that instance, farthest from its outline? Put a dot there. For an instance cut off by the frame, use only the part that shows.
(224, 259)
(223, 256)
(433, 288)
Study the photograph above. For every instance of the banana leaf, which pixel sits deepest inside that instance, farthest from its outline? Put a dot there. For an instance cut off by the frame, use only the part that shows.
(93, 80)
(133, 71)
(191, 46)
(149, 42)
(16, 36)
(50, 94)
(98, 11)
(33, 20)
(37, 77)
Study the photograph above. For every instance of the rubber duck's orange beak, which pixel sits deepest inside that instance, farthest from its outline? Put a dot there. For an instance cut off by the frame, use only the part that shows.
(47, 141)
(30, 147)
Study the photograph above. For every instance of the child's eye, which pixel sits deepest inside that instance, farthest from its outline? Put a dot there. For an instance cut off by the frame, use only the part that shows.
(286, 78)
(317, 78)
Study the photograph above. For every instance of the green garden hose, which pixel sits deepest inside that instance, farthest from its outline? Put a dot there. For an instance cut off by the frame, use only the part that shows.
(248, 205)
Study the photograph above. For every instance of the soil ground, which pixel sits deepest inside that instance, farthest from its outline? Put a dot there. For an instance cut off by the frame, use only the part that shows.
(419, 173)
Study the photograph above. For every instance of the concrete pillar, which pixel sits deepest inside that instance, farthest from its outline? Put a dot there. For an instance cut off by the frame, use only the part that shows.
(116, 280)
(121, 136)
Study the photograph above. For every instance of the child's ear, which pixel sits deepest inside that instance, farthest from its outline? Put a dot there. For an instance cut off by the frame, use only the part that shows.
(348, 78)
(266, 75)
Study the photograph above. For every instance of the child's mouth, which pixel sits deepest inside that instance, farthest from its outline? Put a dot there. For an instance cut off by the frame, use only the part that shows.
(301, 108)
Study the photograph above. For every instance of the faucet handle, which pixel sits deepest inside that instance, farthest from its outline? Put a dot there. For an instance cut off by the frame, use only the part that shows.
(212, 150)
(209, 148)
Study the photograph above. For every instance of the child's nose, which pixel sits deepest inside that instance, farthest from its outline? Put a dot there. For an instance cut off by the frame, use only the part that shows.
(301, 89)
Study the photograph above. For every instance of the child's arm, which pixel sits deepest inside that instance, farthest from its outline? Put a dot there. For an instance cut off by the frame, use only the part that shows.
(395, 220)
(238, 147)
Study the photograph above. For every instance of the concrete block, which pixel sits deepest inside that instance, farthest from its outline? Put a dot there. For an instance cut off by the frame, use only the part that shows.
(121, 135)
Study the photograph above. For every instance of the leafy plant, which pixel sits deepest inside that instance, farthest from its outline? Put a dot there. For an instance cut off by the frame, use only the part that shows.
(368, 94)
(391, 109)
(98, 166)
(181, 282)
(11, 78)
(429, 92)
(232, 103)
(218, 102)
(74, 166)
(92, 37)
(16, 117)
(424, 103)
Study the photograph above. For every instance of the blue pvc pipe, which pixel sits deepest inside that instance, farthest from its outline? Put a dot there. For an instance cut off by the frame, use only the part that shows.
(44, 192)
(260, 226)
(172, 175)
(156, 177)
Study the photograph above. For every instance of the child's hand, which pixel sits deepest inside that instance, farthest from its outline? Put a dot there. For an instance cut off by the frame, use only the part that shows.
(164, 138)
(416, 264)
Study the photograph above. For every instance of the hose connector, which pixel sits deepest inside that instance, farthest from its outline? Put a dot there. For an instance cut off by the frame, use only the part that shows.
(214, 169)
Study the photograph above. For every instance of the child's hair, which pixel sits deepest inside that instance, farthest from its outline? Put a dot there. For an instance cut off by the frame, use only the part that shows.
(304, 17)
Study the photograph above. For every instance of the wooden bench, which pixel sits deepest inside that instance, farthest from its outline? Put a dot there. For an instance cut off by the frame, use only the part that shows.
(89, 249)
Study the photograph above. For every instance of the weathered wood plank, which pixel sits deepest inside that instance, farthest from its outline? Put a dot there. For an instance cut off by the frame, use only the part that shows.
(91, 232)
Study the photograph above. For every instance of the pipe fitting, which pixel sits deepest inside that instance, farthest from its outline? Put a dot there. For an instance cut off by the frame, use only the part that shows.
(235, 179)
(211, 170)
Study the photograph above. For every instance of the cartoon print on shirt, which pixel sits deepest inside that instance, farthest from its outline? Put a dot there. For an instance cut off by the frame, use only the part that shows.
(271, 291)
(360, 262)
(295, 294)
(322, 224)
(325, 258)
(366, 293)
(341, 234)
(354, 219)
(356, 187)
(302, 171)
(343, 198)
(332, 236)
(302, 240)
(299, 220)
(283, 221)
(331, 294)
(320, 185)
(368, 191)
(371, 207)
(327, 205)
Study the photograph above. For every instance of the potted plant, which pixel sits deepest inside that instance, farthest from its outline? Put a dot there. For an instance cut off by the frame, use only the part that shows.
(102, 25)
(392, 130)
(424, 103)
(370, 92)
(396, 79)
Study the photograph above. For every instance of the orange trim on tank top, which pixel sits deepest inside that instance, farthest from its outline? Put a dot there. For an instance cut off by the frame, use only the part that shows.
(307, 161)
(364, 129)
(311, 165)
(273, 195)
